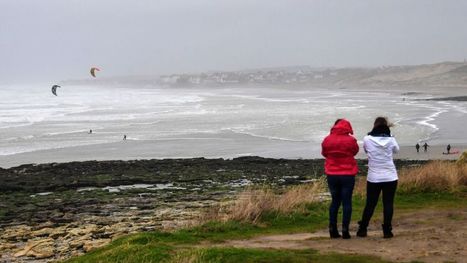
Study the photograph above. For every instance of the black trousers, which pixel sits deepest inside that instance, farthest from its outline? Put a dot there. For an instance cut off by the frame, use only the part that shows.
(341, 188)
(372, 195)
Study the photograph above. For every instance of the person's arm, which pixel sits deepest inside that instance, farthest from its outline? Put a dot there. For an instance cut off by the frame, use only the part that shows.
(324, 151)
(355, 147)
(365, 146)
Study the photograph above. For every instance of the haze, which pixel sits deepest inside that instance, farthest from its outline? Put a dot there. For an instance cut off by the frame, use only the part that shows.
(56, 40)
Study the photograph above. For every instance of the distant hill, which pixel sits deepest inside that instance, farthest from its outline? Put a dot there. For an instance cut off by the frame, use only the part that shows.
(452, 74)
(440, 74)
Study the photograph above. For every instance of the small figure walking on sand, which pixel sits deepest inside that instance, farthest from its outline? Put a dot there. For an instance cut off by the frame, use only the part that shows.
(124, 137)
(417, 146)
(448, 148)
(425, 147)
(90, 131)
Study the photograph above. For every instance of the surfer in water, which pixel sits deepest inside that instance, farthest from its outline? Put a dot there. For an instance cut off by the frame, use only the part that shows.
(425, 147)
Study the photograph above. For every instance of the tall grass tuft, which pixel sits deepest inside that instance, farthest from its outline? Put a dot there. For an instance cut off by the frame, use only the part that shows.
(435, 176)
(253, 203)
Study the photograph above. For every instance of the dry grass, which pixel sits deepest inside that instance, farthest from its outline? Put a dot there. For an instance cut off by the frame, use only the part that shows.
(463, 159)
(252, 203)
(360, 186)
(435, 176)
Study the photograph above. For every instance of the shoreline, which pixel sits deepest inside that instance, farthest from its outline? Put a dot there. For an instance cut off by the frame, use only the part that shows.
(149, 150)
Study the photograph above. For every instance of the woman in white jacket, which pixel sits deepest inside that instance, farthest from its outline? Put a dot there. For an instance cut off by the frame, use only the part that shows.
(379, 145)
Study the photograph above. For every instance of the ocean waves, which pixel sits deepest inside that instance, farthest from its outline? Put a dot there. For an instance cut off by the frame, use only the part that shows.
(35, 122)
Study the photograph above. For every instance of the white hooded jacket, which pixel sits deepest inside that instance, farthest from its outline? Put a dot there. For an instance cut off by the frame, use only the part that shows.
(381, 167)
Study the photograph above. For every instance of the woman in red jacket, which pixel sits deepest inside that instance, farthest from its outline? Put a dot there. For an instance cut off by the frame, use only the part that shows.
(339, 149)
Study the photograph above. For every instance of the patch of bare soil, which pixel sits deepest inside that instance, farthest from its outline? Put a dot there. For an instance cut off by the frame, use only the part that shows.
(428, 236)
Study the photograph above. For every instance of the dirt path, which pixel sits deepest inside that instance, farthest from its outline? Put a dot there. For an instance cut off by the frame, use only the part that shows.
(428, 236)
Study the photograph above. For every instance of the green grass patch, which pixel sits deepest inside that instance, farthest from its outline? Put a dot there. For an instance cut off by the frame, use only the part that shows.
(149, 253)
(146, 247)
(169, 246)
(233, 255)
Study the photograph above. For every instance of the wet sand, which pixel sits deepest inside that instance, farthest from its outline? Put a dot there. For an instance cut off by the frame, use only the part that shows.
(207, 147)
(197, 145)
(434, 152)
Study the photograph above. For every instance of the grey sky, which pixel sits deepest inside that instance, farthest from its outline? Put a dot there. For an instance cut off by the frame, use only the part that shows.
(61, 39)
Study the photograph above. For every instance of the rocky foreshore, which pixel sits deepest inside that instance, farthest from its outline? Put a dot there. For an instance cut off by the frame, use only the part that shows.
(54, 211)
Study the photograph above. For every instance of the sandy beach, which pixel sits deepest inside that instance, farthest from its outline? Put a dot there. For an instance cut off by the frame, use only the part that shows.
(228, 147)
(435, 152)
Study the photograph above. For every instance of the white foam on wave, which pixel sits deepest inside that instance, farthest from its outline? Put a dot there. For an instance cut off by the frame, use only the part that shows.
(197, 112)
(460, 107)
(26, 137)
(7, 125)
(252, 134)
(256, 97)
(357, 107)
(80, 131)
(436, 111)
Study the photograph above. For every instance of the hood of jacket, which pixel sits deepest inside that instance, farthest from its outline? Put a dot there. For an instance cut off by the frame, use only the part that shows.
(381, 141)
(342, 127)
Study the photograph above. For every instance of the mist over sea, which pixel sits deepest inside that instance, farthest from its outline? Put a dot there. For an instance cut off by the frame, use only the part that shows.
(271, 121)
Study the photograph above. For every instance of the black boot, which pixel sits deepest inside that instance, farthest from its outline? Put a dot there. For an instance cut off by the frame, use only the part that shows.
(362, 232)
(345, 232)
(333, 232)
(387, 231)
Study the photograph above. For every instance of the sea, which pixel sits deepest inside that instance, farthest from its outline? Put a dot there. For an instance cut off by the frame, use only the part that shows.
(221, 121)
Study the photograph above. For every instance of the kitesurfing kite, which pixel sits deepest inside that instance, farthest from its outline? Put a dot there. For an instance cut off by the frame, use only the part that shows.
(93, 71)
(54, 89)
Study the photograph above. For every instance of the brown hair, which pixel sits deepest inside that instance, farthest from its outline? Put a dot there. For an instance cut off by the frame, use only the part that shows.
(382, 122)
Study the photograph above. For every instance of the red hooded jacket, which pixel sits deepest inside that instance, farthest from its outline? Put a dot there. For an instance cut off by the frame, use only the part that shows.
(339, 149)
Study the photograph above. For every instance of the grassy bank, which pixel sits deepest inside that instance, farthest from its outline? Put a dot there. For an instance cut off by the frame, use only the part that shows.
(182, 244)
(438, 185)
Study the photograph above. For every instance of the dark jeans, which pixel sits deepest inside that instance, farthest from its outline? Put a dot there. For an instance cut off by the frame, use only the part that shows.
(372, 195)
(341, 188)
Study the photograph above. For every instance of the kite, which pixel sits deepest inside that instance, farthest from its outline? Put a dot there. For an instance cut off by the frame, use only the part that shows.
(54, 89)
(93, 71)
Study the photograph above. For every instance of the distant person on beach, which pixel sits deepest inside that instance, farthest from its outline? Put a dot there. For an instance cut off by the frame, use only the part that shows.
(379, 145)
(90, 131)
(425, 147)
(124, 137)
(339, 149)
(417, 146)
(448, 148)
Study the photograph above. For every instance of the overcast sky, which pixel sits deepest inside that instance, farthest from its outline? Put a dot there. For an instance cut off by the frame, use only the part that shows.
(61, 39)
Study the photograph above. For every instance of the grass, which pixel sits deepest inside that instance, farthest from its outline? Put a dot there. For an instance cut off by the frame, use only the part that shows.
(263, 211)
(253, 204)
(225, 255)
(182, 245)
(435, 176)
(234, 255)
